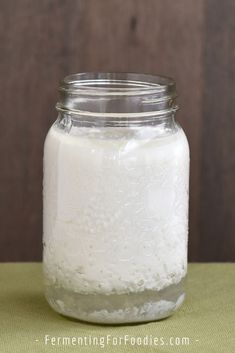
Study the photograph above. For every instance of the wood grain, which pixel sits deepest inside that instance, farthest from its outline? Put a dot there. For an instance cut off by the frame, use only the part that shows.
(192, 41)
(217, 181)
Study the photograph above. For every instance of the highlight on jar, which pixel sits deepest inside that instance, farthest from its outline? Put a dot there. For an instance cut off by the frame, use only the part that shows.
(115, 199)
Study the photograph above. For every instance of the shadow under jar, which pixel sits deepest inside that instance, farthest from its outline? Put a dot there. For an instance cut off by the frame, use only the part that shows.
(115, 192)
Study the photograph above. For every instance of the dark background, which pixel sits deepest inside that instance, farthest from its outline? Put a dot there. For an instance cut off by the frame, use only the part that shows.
(193, 41)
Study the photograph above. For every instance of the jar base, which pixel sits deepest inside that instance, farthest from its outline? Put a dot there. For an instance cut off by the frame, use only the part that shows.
(116, 309)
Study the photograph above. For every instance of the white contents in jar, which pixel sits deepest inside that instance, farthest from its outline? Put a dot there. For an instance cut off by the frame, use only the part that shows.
(115, 209)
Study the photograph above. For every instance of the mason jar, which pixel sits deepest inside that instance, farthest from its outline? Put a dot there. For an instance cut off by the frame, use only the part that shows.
(115, 195)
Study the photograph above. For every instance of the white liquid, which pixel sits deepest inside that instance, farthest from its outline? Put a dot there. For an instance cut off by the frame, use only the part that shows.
(115, 210)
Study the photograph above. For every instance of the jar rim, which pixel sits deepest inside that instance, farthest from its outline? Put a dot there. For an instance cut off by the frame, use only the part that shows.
(117, 83)
(111, 95)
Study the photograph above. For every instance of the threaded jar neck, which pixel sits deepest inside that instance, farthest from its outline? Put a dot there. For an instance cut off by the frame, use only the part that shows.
(118, 99)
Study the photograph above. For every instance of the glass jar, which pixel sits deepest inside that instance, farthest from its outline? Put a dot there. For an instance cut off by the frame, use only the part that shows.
(116, 172)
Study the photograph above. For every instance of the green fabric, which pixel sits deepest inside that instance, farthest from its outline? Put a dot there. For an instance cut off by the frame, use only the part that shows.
(207, 317)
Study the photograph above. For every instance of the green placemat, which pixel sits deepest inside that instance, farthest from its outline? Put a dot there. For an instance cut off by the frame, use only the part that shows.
(205, 323)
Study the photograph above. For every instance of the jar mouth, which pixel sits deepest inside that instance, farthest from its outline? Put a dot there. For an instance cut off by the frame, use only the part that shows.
(117, 94)
(116, 84)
